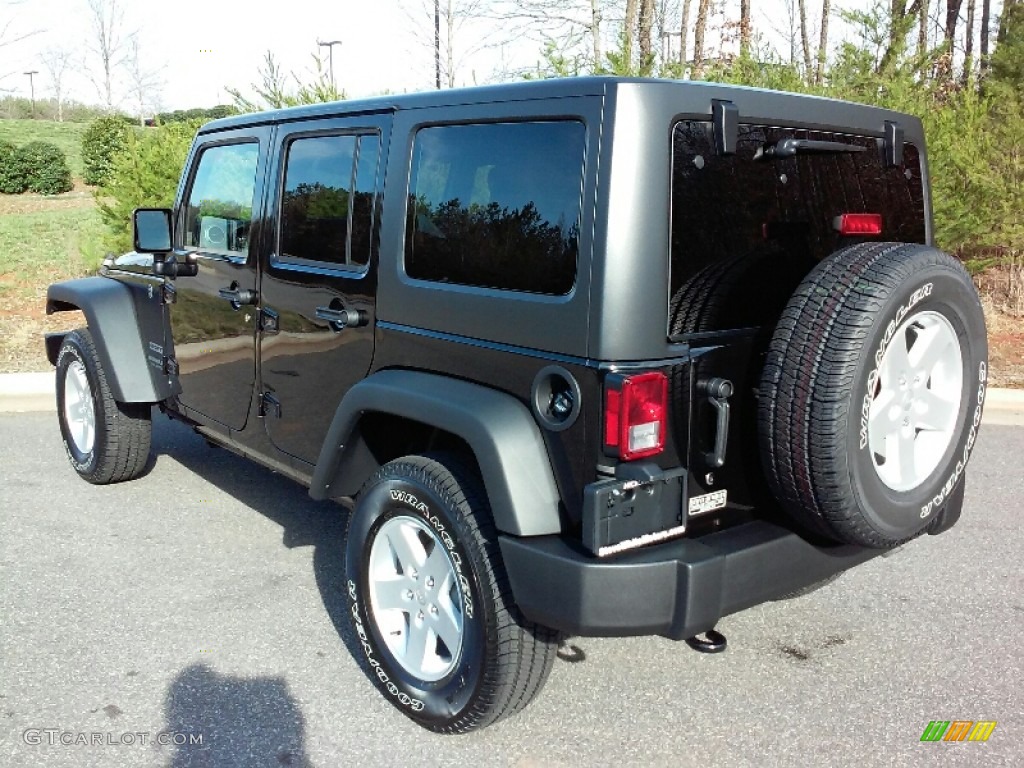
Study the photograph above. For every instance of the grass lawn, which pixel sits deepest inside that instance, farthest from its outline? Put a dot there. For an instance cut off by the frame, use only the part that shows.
(42, 240)
(67, 136)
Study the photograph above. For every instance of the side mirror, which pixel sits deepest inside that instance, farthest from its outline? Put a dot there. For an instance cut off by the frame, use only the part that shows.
(152, 230)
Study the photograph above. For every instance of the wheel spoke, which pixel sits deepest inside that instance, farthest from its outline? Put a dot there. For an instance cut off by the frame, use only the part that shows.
(934, 412)
(448, 623)
(896, 362)
(407, 547)
(391, 594)
(906, 457)
(929, 348)
(437, 566)
(417, 641)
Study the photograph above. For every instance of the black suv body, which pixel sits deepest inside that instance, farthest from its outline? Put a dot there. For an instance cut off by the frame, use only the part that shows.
(626, 347)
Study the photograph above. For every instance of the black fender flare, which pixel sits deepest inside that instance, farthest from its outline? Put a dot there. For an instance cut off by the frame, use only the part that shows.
(110, 311)
(500, 430)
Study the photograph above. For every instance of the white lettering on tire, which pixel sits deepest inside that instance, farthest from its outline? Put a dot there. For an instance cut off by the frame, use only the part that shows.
(936, 502)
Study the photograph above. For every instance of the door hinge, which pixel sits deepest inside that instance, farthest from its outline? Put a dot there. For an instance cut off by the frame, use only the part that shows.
(170, 366)
(170, 294)
(269, 405)
(270, 322)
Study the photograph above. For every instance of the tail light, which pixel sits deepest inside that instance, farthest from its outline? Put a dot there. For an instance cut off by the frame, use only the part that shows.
(635, 414)
(858, 224)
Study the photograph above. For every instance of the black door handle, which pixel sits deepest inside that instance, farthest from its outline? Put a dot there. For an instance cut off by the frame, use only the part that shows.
(237, 296)
(341, 318)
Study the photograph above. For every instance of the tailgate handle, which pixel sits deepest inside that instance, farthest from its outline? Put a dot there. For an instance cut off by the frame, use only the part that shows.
(718, 391)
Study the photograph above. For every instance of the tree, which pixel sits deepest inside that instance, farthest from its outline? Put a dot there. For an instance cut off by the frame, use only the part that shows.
(986, 21)
(107, 45)
(142, 82)
(745, 28)
(11, 35)
(804, 39)
(274, 91)
(645, 23)
(684, 28)
(969, 43)
(57, 61)
(819, 72)
(698, 38)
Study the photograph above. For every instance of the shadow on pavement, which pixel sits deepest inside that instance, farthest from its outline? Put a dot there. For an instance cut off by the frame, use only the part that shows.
(241, 721)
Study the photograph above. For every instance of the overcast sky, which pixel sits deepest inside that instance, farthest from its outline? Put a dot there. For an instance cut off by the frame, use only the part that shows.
(198, 47)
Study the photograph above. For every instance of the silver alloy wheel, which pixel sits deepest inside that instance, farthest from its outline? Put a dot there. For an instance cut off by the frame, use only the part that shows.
(416, 598)
(916, 400)
(79, 411)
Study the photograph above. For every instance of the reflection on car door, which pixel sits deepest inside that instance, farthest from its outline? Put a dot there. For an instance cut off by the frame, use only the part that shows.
(319, 278)
(213, 322)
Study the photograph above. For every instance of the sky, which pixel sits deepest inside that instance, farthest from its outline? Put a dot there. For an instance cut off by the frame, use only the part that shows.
(196, 48)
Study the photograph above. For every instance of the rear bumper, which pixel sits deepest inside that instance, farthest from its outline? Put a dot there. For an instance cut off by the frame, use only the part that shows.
(677, 589)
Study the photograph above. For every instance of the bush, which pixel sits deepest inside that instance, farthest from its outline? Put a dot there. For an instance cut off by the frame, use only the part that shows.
(144, 175)
(45, 168)
(102, 140)
(12, 171)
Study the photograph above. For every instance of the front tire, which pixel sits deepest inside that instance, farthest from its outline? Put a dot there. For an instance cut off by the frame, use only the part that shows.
(106, 441)
(430, 602)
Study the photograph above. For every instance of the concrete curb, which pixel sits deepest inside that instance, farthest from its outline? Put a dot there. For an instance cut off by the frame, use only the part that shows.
(26, 392)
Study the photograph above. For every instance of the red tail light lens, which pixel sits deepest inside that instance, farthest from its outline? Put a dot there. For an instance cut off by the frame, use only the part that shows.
(858, 224)
(635, 414)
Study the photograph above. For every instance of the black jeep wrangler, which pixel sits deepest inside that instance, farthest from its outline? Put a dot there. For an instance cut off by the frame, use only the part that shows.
(591, 356)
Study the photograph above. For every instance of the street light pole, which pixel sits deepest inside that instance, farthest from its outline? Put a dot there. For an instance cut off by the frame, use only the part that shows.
(329, 45)
(32, 89)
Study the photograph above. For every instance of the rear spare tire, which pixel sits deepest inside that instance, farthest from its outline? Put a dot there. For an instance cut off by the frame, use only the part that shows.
(872, 392)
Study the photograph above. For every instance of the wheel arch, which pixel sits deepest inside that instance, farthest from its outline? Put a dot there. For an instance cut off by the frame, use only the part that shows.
(497, 430)
(111, 314)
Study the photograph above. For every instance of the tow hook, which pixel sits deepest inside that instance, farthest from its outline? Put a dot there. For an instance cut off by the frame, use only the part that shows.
(710, 642)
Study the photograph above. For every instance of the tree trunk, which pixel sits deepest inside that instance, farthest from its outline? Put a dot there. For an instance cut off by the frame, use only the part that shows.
(922, 29)
(969, 43)
(808, 72)
(684, 29)
(745, 28)
(819, 75)
(952, 16)
(986, 20)
(595, 30)
(645, 25)
(628, 31)
(698, 38)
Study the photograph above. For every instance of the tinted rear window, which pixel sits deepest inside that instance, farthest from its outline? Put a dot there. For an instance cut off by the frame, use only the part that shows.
(497, 205)
(748, 230)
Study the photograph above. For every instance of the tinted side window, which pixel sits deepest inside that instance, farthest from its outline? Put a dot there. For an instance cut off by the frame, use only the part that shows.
(220, 201)
(497, 205)
(327, 201)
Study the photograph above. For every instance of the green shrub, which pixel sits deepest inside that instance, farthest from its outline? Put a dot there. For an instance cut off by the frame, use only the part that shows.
(102, 140)
(144, 175)
(12, 171)
(45, 168)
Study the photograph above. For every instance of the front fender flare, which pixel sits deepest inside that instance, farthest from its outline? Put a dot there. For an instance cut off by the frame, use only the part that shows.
(501, 432)
(111, 313)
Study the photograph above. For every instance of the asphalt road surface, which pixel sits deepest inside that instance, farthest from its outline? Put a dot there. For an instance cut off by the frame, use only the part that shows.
(203, 600)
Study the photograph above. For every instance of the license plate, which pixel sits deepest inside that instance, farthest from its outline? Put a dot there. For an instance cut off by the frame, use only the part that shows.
(707, 502)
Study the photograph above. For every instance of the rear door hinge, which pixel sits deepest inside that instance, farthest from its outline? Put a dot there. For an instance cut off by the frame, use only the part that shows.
(170, 294)
(270, 321)
(170, 366)
(270, 405)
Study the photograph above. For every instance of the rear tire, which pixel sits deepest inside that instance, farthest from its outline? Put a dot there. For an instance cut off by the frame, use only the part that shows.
(430, 601)
(872, 392)
(106, 441)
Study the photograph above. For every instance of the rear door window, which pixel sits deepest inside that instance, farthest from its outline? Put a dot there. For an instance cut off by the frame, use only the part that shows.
(497, 205)
(746, 229)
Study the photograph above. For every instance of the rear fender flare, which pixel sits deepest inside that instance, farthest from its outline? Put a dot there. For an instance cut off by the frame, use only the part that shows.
(500, 430)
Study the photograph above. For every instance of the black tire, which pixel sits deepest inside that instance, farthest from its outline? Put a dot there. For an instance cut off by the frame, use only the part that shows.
(822, 375)
(119, 448)
(503, 661)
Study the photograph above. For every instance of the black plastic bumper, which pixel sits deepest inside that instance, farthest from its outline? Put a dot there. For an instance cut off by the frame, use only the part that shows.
(676, 589)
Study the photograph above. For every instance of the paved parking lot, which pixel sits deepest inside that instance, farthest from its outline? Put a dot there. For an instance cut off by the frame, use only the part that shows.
(203, 600)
